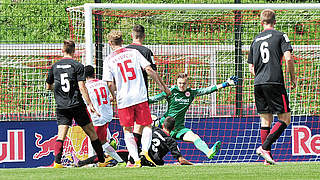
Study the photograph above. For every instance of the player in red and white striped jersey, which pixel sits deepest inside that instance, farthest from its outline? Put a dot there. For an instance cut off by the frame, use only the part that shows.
(122, 71)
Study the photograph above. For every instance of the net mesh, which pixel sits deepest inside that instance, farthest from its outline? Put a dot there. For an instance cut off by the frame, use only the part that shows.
(202, 44)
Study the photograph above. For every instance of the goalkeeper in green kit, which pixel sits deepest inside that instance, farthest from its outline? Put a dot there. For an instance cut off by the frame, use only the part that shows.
(178, 104)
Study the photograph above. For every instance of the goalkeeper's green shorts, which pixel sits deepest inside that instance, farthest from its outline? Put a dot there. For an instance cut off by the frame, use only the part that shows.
(178, 134)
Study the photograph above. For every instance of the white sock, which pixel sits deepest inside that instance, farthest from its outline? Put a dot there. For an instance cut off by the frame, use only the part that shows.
(109, 150)
(146, 138)
(131, 146)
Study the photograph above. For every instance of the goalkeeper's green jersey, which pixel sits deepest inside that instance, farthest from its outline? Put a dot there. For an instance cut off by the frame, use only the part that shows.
(179, 102)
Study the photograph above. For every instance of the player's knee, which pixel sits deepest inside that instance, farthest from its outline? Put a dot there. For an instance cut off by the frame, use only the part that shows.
(285, 117)
(127, 129)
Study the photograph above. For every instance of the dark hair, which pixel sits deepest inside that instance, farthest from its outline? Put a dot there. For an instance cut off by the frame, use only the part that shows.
(182, 75)
(89, 71)
(138, 31)
(69, 46)
(169, 123)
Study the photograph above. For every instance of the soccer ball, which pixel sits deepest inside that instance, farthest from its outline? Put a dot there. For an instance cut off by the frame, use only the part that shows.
(156, 121)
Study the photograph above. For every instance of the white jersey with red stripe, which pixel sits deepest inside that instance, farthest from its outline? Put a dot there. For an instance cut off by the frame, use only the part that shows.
(124, 66)
(99, 96)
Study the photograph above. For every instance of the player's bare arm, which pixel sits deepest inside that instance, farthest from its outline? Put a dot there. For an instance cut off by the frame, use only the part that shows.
(290, 66)
(251, 69)
(112, 89)
(161, 81)
(156, 78)
(49, 86)
(85, 95)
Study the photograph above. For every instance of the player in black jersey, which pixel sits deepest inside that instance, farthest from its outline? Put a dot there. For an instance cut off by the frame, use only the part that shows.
(67, 79)
(138, 36)
(265, 62)
(162, 143)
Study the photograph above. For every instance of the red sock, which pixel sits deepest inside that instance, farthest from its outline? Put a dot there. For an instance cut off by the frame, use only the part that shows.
(264, 132)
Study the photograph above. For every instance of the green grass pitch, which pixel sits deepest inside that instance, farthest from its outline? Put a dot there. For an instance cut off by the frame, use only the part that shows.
(296, 170)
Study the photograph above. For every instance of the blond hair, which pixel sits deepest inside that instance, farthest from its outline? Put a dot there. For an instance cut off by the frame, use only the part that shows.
(115, 37)
(268, 16)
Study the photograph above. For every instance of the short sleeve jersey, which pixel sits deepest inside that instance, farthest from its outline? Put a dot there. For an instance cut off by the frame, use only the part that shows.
(99, 96)
(65, 75)
(161, 144)
(148, 54)
(124, 66)
(266, 53)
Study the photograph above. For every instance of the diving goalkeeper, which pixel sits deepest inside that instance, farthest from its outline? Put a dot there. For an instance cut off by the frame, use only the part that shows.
(178, 104)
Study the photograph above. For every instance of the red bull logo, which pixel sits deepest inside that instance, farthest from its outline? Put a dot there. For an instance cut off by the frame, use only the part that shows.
(46, 147)
(14, 149)
(75, 143)
(115, 137)
(303, 143)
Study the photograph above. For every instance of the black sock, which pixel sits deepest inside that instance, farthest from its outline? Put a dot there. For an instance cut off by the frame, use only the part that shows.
(58, 150)
(137, 138)
(96, 144)
(275, 133)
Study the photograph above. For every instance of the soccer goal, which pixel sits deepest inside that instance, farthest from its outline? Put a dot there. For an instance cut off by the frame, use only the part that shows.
(210, 42)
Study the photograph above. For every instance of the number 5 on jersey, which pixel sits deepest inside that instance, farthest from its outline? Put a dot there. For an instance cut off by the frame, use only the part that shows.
(65, 84)
(127, 72)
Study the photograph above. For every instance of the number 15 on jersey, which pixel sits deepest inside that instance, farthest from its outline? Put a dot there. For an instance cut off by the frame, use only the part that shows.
(127, 72)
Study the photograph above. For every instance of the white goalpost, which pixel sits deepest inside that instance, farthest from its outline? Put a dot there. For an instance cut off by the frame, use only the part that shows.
(89, 7)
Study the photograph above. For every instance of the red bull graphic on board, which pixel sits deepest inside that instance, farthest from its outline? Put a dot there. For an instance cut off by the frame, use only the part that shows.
(14, 149)
(29, 144)
(46, 147)
(303, 143)
(115, 137)
(76, 142)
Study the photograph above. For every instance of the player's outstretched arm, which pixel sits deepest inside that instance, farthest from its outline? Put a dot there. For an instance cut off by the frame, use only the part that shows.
(156, 78)
(232, 81)
(157, 98)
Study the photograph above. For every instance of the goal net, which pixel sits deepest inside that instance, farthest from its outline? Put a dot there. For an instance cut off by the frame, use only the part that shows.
(210, 42)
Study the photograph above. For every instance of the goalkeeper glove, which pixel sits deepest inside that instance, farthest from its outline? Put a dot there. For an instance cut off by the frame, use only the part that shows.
(232, 81)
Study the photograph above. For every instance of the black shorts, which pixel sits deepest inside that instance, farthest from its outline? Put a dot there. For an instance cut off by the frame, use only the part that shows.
(79, 114)
(271, 98)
